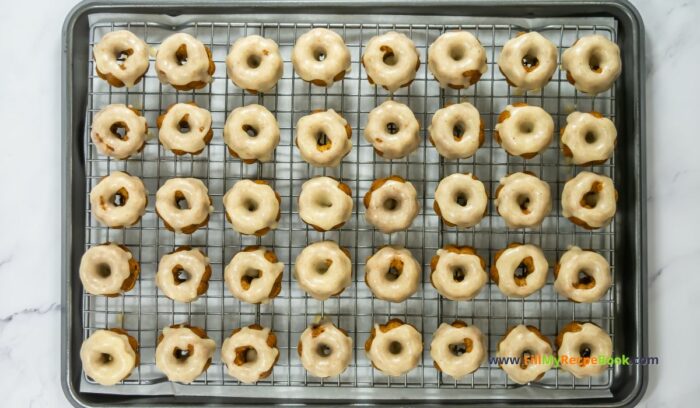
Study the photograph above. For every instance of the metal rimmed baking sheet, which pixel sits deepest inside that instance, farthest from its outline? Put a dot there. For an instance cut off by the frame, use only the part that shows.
(144, 311)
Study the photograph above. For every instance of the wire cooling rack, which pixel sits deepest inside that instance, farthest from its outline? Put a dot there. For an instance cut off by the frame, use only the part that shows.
(145, 311)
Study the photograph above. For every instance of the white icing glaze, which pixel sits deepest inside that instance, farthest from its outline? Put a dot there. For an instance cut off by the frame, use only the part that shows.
(457, 59)
(574, 261)
(457, 366)
(338, 344)
(510, 259)
(463, 116)
(196, 212)
(258, 270)
(252, 207)
(391, 60)
(254, 63)
(182, 75)
(456, 187)
(112, 145)
(249, 372)
(320, 42)
(310, 129)
(519, 340)
(259, 120)
(527, 131)
(111, 45)
(91, 264)
(194, 263)
(111, 215)
(530, 44)
(575, 190)
(107, 342)
(523, 200)
(592, 50)
(472, 267)
(594, 338)
(323, 269)
(323, 204)
(183, 370)
(195, 139)
(382, 357)
(389, 145)
(579, 127)
(387, 286)
(402, 195)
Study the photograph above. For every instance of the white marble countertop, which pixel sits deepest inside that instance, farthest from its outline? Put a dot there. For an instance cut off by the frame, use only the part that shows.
(30, 205)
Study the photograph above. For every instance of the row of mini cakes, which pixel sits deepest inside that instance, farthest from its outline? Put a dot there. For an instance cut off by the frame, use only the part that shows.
(391, 204)
(456, 59)
(184, 352)
(323, 138)
(324, 269)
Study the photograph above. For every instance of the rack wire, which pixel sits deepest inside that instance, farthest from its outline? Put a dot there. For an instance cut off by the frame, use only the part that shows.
(145, 311)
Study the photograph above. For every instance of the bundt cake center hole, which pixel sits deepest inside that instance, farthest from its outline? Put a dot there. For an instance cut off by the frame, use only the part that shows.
(521, 271)
(103, 270)
(251, 205)
(585, 350)
(524, 203)
(461, 199)
(183, 125)
(183, 354)
(530, 62)
(458, 130)
(251, 131)
(392, 128)
(180, 275)
(524, 269)
(590, 199)
(319, 54)
(181, 201)
(391, 204)
(324, 350)
(245, 354)
(584, 280)
(323, 142)
(394, 271)
(590, 137)
(105, 358)
(119, 130)
(389, 57)
(594, 62)
(526, 127)
(395, 347)
(392, 274)
(458, 274)
(457, 349)
(251, 355)
(248, 277)
(253, 61)
(457, 52)
(120, 198)
(324, 202)
(524, 357)
(181, 55)
(122, 55)
(323, 266)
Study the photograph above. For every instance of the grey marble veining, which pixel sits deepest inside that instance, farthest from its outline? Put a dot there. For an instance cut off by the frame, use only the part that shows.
(30, 204)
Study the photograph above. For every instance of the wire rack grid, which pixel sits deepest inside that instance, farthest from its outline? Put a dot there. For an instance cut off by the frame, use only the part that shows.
(144, 311)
